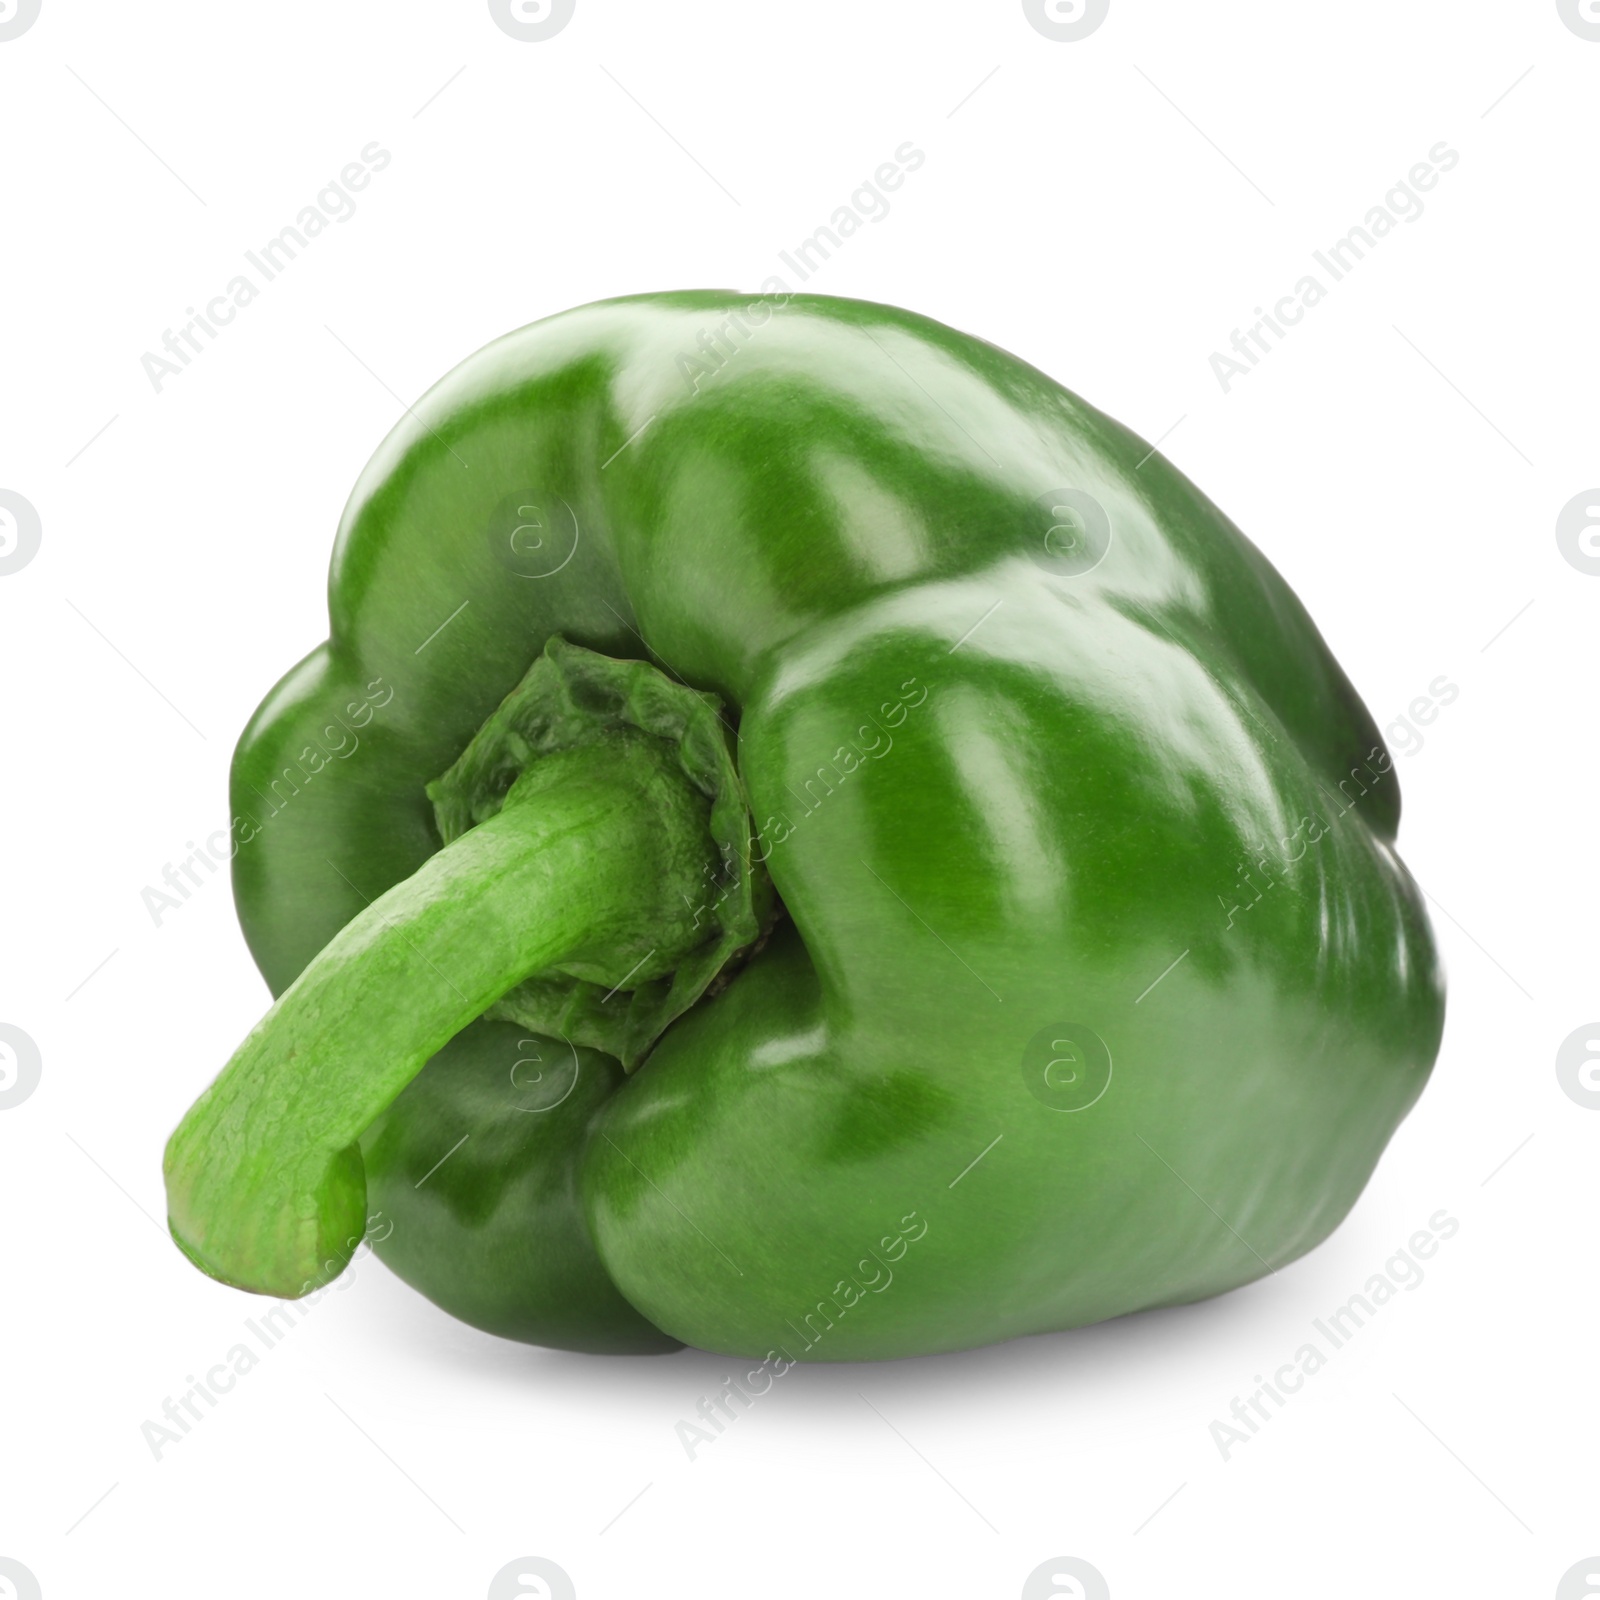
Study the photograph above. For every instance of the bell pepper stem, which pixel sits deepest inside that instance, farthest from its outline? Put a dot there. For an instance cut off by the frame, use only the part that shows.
(589, 867)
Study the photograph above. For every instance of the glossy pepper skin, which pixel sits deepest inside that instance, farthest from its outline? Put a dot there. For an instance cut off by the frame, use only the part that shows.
(1098, 984)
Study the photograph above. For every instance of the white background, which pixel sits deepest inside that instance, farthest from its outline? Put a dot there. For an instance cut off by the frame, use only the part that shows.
(1110, 210)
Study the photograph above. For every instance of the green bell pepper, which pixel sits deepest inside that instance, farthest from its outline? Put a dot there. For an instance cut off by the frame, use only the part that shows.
(806, 840)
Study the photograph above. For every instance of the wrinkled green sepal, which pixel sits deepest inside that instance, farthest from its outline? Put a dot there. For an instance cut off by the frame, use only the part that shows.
(572, 697)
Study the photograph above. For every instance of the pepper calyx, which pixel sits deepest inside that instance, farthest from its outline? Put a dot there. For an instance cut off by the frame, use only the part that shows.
(571, 698)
